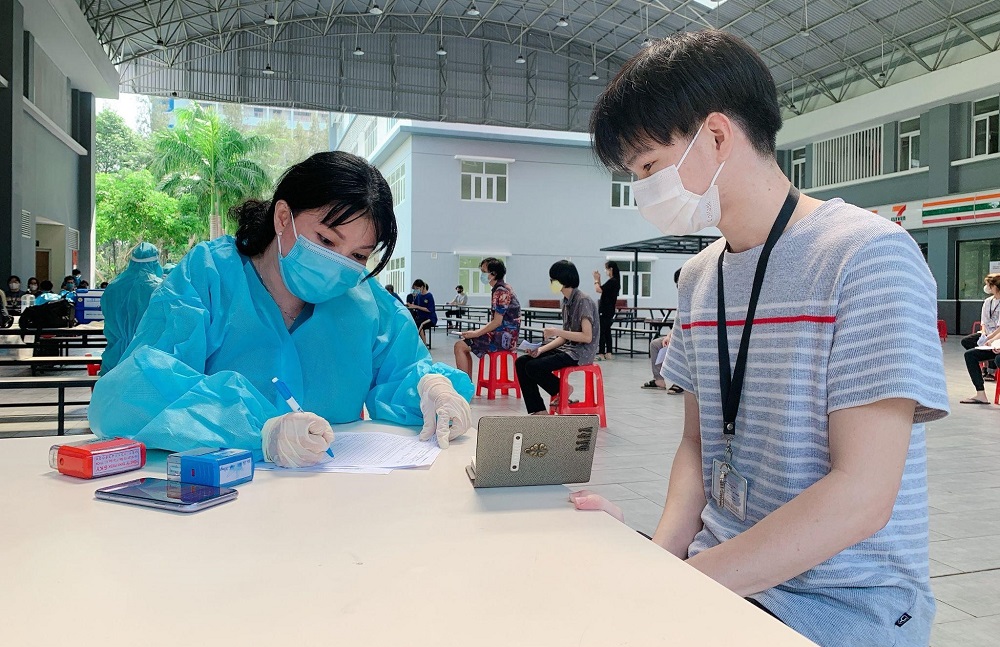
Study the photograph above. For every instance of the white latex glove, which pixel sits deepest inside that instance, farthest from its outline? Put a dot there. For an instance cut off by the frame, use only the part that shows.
(296, 440)
(445, 412)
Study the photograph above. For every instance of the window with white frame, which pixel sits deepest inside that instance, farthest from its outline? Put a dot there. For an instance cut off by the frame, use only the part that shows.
(633, 275)
(986, 126)
(621, 191)
(484, 181)
(397, 184)
(371, 139)
(395, 274)
(847, 158)
(799, 168)
(909, 144)
(468, 274)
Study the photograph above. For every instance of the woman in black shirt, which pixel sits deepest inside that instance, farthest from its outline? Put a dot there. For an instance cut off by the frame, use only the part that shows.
(606, 307)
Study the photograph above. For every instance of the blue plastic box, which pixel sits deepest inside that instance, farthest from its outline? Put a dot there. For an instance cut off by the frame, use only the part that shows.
(208, 466)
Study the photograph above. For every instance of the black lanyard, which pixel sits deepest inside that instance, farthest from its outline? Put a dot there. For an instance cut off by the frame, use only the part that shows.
(730, 380)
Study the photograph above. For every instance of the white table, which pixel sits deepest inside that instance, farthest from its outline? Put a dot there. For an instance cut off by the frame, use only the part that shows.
(414, 558)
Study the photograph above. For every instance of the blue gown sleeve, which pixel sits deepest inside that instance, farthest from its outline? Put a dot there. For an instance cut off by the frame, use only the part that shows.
(159, 393)
(400, 360)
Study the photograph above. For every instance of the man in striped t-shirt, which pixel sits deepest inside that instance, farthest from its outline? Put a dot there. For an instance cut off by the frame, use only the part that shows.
(803, 488)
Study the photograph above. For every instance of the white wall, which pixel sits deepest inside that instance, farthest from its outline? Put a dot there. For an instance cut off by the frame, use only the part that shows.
(559, 206)
(53, 238)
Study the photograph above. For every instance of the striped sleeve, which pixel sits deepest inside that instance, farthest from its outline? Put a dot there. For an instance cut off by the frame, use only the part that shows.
(885, 343)
(675, 366)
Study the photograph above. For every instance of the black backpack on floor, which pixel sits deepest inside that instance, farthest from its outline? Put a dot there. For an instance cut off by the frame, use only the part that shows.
(55, 314)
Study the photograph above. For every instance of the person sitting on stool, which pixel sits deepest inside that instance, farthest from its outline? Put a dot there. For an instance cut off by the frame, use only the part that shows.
(573, 345)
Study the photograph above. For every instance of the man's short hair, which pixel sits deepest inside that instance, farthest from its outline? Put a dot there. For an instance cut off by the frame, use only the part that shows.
(496, 268)
(389, 287)
(667, 90)
(565, 272)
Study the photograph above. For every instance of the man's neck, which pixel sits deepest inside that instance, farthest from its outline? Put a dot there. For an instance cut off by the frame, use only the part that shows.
(751, 204)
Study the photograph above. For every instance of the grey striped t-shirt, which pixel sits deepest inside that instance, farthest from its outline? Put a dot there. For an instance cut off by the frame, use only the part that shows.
(847, 317)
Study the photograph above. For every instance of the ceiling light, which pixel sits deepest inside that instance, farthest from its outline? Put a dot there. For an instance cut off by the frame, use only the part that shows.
(593, 76)
(358, 51)
(647, 42)
(270, 20)
(804, 32)
(442, 51)
(520, 60)
(159, 44)
(882, 76)
(472, 10)
(563, 22)
(268, 70)
(375, 9)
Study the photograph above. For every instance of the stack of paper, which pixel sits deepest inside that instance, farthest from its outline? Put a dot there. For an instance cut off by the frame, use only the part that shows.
(373, 452)
(529, 345)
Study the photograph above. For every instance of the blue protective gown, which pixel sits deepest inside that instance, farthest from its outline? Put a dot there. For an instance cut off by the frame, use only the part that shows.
(198, 371)
(125, 301)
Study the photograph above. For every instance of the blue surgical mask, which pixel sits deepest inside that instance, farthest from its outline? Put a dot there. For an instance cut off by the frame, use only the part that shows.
(316, 274)
(484, 278)
(415, 291)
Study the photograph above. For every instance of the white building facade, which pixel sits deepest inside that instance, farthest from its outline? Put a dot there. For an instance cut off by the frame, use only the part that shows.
(529, 197)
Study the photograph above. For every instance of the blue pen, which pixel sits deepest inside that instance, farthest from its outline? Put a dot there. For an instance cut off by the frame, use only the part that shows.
(286, 393)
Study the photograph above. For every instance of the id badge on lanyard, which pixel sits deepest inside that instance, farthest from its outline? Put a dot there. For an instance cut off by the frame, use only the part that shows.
(730, 489)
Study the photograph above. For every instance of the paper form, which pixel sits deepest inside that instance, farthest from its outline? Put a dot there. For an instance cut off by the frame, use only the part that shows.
(374, 450)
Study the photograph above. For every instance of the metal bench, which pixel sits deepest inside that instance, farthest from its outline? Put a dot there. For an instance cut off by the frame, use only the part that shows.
(58, 383)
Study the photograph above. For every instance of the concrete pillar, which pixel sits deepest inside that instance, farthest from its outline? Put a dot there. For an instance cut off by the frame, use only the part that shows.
(13, 248)
(941, 252)
(84, 126)
(944, 145)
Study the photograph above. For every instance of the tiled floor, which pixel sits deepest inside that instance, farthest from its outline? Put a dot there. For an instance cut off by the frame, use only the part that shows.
(635, 452)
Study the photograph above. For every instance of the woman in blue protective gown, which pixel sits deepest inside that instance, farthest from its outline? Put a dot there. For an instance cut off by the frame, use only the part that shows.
(290, 298)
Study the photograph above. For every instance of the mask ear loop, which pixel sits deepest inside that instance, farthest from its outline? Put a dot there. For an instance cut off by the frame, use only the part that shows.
(716, 176)
(280, 255)
(691, 145)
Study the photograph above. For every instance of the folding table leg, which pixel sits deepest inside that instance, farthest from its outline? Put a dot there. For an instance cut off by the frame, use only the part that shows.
(62, 411)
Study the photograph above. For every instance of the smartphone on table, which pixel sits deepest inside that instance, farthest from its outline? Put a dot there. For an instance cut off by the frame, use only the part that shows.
(166, 495)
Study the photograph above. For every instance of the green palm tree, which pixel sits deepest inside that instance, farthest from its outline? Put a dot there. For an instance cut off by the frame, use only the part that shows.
(206, 156)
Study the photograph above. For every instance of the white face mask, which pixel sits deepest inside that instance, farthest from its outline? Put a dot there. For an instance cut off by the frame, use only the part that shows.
(987, 289)
(663, 200)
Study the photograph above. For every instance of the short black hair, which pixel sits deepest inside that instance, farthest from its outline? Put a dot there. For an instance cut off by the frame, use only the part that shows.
(677, 276)
(346, 185)
(486, 261)
(76, 272)
(389, 287)
(565, 272)
(460, 288)
(496, 268)
(46, 286)
(667, 90)
(14, 277)
(420, 284)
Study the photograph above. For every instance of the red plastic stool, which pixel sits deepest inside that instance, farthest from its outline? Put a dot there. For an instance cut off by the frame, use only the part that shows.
(942, 330)
(593, 393)
(502, 376)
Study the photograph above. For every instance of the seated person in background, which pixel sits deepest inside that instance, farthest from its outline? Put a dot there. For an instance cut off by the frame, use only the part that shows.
(33, 286)
(45, 293)
(13, 294)
(290, 296)
(104, 284)
(84, 285)
(68, 290)
(126, 300)
(391, 289)
(422, 309)
(573, 345)
(77, 277)
(503, 328)
(461, 300)
(654, 354)
(988, 334)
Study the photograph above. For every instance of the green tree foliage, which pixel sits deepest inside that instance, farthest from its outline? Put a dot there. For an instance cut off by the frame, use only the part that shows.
(118, 147)
(205, 156)
(130, 209)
